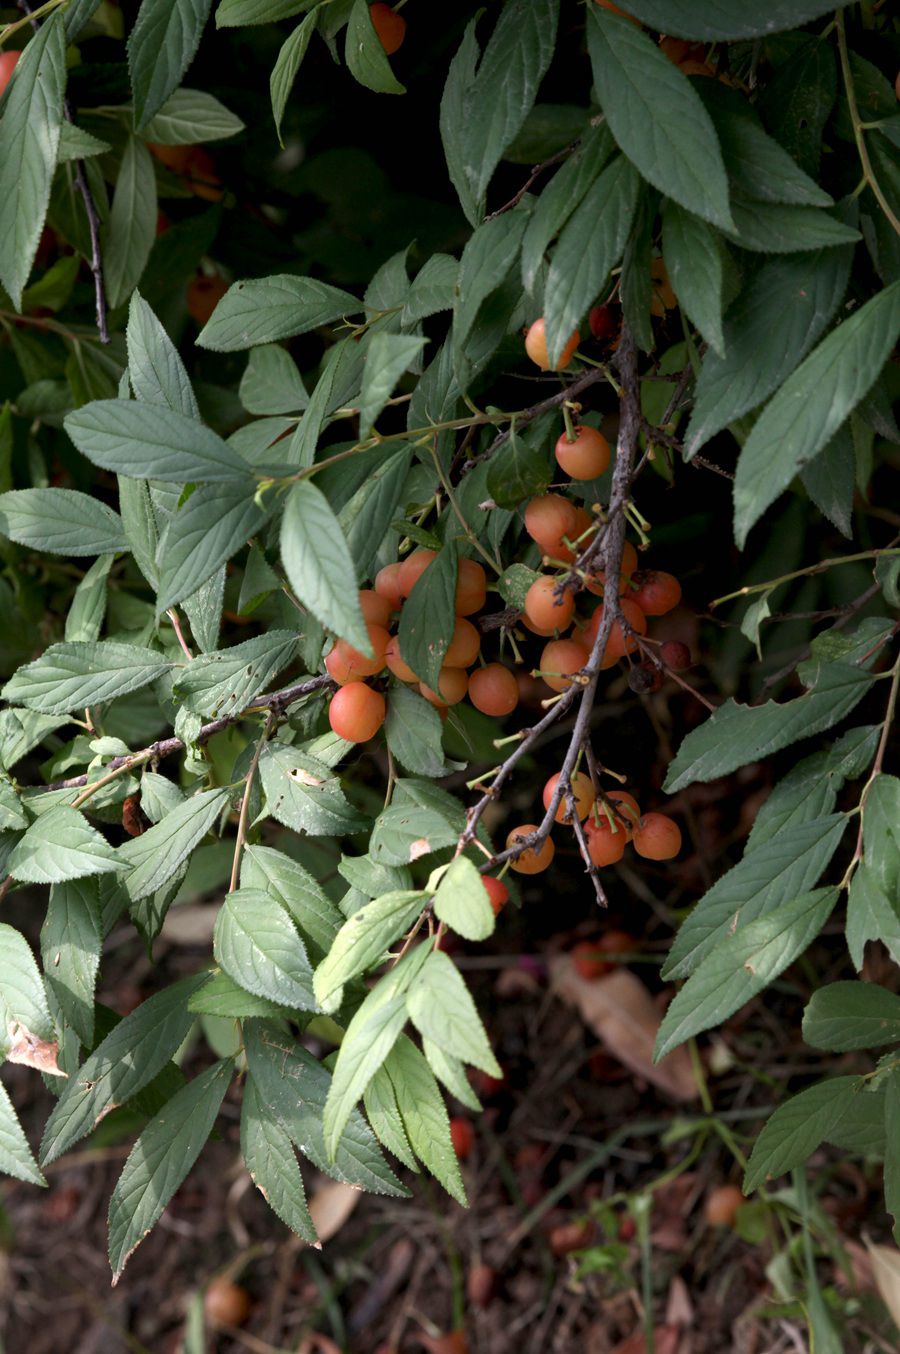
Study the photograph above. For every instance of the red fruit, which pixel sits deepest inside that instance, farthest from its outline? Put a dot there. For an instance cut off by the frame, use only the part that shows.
(675, 655)
(497, 891)
(531, 860)
(7, 66)
(387, 585)
(628, 810)
(588, 956)
(225, 1303)
(375, 608)
(619, 643)
(201, 175)
(722, 1204)
(346, 664)
(548, 518)
(464, 645)
(471, 587)
(536, 347)
(586, 457)
(462, 1135)
(604, 322)
(545, 610)
(494, 690)
(412, 569)
(657, 837)
(452, 686)
(134, 820)
(390, 26)
(583, 791)
(203, 295)
(356, 712)
(397, 665)
(176, 158)
(655, 592)
(606, 841)
(560, 660)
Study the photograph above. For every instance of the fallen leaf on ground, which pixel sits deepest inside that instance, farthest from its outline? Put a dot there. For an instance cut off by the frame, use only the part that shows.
(665, 1341)
(621, 1012)
(331, 1205)
(886, 1271)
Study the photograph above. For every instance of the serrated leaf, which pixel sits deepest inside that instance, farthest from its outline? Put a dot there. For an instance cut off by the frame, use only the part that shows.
(797, 1128)
(432, 290)
(693, 255)
(29, 140)
(236, 13)
(742, 965)
(207, 530)
(461, 900)
(85, 619)
(12, 815)
(424, 1116)
(60, 521)
(452, 121)
(429, 616)
(829, 479)
(870, 916)
(388, 356)
(222, 997)
(302, 895)
(155, 369)
(267, 309)
(271, 1164)
(16, 1156)
(385, 1119)
(305, 794)
(190, 116)
(776, 228)
(223, 681)
(287, 64)
(362, 941)
(271, 383)
(758, 165)
(22, 998)
(562, 195)
(364, 54)
(442, 1010)
(851, 1015)
(161, 46)
(153, 858)
(366, 516)
(113, 1073)
(657, 117)
(131, 227)
(519, 469)
(255, 943)
(413, 730)
(61, 845)
(797, 423)
(160, 1160)
(152, 442)
(70, 950)
(452, 1073)
(726, 20)
(487, 261)
(70, 675)
(318, 564)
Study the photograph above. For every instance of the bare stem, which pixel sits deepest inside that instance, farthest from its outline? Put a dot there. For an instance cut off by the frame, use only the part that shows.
(245, 800)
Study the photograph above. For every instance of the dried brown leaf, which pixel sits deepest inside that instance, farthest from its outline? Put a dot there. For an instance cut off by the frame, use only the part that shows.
(330, 1205)
(26, 1048)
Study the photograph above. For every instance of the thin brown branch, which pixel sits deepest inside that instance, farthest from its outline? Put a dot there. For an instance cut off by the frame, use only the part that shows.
(526, 416)
(244, 813)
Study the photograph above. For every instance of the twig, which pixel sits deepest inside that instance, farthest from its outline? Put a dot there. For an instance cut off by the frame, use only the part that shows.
(176, 625)
(859, 138)
(583, 382)
(536, 172)
(581, 839)
(245, 800)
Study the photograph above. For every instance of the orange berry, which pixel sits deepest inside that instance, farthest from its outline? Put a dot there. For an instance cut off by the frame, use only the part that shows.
(7, 66)
(559, 660)
(387, 585)
(462, 1135)
(203, 295)
(346, 664)
(530, 861)
(397, 665)
(628, 807)
(390, 26)
(586, 457)
(678, 49)
(657, 837)
(545, 611)
(201, 175)
(471, 587)
(675, 655)
(375, 609)
(464, 645)
(536, 347)
(619, 643)
(548, 518)
(696, 68)
(614, 9)
(356, 712)
(176, 158)
(606, 842)
(655, 592)
(588, 955)
(722, 1204)
(494, 690)
(453, 684)
(225, 1303)
(496, 890)
(412, 569)
(583, 791)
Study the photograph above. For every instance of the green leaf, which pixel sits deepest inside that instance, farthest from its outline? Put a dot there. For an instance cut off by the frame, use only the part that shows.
(851, 1015)
(759, 167)
(693, 255)
(774, 228)
(132, 439)
(76, 15)
(293, 1086)
(487, 261)
(29, 139)
(318, 564)
(881, 832)
(161, 46)
(206, 531)
(22, 998)
(891, 1160)
(160, 1160)
(413, 729)
(424, 1115)
(453, 120)
(429, 616)
(726, 20)
(221, 682)
(305, 794)
(562, 195)
(364, 54)
(742, 965)
(502, 93)
(365, 518)
(60, 521)
(236, 13)
(288, 63)
(589, 246)
(798, 1127)
(768, 876)
(296, 889)
(222, 997)
(798, 100)
(829, 479)
(519, 469)
(16, 1157)
(870, 916)
(271, 1164)
(271, 308)
(61, 845)
(21, 731)
(155, 369)
(362, 941)
(190, 116)
(153, 858)
(452, 1073)
(126, 1061)
(461, 900)
(759, 356)
(657, 117)
(70, 950)
(255, 943)
(85, 619)
(131, 228)
(432, 290)
(383, 1114)
(69, 676)
(797, 423)
(12, 815)
(442, 1010)
(388, 356)
(271, 383)
(419, 821)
